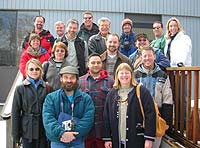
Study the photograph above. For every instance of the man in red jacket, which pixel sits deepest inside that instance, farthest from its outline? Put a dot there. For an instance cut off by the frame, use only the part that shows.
(47, 38)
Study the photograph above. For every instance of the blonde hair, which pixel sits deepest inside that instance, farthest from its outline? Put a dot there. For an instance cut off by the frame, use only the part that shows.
(61, 45)
(180, 29)
(37, 64)
(119, 68)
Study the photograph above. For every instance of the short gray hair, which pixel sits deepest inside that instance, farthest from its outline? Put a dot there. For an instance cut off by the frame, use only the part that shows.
(58, 23)
(103, 19)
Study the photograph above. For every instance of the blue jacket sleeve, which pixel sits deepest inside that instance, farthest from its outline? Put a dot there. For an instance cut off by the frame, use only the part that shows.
(162, 61)
(49, 115)
(86, 122)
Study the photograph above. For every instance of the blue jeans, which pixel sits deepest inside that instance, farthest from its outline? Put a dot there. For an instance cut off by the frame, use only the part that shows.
(61, 145)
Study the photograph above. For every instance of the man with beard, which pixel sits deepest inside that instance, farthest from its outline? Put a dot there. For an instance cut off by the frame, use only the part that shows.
(77, 48)
(68, 113)
(112, 57)
(97, 84)
(47, 39)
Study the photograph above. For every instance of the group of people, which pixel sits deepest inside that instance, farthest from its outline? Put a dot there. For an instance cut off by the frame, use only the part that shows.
(79, 89)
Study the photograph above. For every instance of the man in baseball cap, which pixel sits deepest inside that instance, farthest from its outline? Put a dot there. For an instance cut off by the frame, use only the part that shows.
(127, 37)
(69, 110)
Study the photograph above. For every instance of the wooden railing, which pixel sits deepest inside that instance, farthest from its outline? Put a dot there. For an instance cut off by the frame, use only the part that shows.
(185, 86)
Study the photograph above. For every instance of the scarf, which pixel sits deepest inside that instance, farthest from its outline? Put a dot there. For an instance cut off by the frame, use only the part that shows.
(34, 52)
(169, 45)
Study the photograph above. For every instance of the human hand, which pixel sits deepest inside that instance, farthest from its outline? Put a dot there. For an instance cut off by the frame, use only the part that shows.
(148, 144)
(108, 144)
(68, 136)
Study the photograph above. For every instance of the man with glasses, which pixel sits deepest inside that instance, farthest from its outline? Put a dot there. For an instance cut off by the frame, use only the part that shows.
(88, 27)
(97, 43)
(159, 41)
(141, 41)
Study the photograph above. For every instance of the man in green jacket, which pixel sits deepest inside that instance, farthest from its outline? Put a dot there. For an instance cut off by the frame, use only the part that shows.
(159, 41)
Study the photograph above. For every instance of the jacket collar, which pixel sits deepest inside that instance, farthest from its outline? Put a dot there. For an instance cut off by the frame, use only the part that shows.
(27, 82)
(104, 55)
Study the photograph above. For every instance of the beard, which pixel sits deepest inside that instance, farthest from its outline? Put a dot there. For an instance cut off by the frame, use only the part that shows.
(69, 86)
(40, 27)
(112, 49)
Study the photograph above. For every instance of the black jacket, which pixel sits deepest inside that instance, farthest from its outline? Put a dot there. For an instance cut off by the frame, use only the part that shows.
(80, 53)
(135, 137)
(27, 110)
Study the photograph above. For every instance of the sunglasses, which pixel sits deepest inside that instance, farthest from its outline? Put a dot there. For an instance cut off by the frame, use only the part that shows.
(156, 28)
(87, 18)
(60, 51)
(32, 69)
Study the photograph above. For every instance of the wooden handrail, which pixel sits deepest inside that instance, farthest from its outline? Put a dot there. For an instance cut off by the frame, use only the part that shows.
(182, 92)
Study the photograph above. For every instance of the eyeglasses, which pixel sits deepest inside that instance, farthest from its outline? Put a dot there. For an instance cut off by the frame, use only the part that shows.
(87, 18)
(32, 69)
(60, 51)
(156, 28)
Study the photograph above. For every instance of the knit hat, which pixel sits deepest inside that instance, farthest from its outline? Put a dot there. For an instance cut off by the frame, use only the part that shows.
(69, 70)
(127, 21)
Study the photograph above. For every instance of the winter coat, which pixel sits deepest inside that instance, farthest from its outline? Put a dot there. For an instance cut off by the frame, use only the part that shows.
(121, 59)
(81, 53)
(180, 50)
(25, 57)
(158, 83)
(27, 111)
(127, 44)
(96, 44)
(51, 74)
(161, 59)
(85, 34)
(47, 40)
(98, 89)
(135, 135)
(83, 109)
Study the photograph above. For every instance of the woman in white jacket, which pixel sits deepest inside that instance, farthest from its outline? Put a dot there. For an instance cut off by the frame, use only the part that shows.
(178, 46)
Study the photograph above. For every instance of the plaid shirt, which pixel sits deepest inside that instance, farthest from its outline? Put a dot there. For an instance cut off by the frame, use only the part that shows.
(97, 89)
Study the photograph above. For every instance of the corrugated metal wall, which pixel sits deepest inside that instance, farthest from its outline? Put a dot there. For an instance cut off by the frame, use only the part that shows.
(187, 11)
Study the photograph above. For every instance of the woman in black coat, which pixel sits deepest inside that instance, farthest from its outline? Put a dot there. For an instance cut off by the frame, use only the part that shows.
(27, 108)
(122, 114)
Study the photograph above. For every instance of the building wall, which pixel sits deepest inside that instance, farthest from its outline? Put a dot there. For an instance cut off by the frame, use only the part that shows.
(186, 11)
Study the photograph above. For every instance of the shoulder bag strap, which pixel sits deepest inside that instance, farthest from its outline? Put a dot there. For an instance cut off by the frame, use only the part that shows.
(139, 100)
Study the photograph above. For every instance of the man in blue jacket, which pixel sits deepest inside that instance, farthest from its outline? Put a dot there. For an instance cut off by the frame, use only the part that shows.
(141, 41)
(68, 113)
